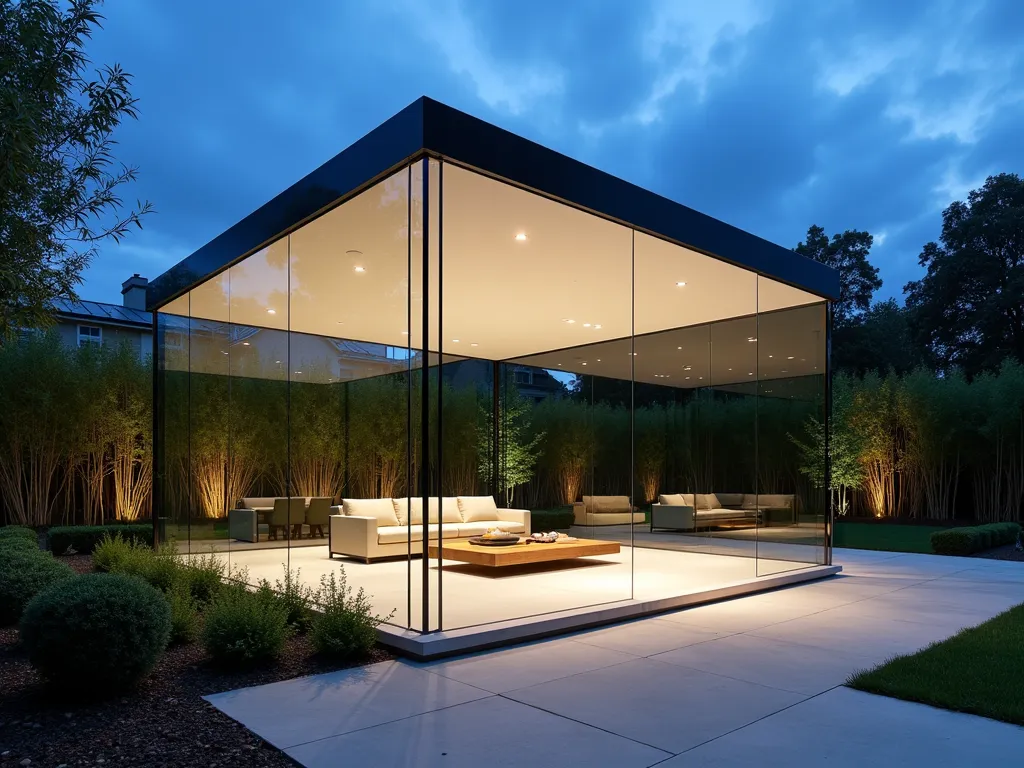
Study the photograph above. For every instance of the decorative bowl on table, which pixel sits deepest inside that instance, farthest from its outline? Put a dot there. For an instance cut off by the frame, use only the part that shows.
(495, 541)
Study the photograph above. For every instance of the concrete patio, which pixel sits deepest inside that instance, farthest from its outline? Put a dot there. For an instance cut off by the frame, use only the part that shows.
(756, 678)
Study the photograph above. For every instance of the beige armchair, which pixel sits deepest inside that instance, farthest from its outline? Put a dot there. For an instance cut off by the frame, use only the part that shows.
(287, 513)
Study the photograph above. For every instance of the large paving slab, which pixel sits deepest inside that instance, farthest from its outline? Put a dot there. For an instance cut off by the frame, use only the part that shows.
(667, 706)
(495, 732)
(309, 708)
(850, 729)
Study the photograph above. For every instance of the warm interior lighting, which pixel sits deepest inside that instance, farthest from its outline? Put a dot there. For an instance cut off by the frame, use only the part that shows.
(568, 320)
(680, 284)
(360, 269)
(474, 344)
(597, 327)
(521, 236)
(582, 363)
(455, 341)
(271, 311)
(790, 357)
(751, 338)
(586, 325)
(245, 343)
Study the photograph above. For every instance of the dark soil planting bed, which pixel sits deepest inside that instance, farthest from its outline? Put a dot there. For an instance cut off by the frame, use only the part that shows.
(164, 722)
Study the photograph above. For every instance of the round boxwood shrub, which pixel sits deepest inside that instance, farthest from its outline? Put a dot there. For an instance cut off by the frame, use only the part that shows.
(19, 532)
(23, 575)
(18, 544)
(96, 633)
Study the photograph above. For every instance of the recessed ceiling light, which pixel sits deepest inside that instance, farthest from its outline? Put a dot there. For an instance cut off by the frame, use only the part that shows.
(223, 352)
(771, 355)
(790, 357)
(360, 269)
(597, 327)
(678, 347)
(687, 378)
(784, 371)
(750, 374)
(634, 354)
(582, 363)
(298, 371)
(455, 341)
(687, 367)
(730, 369)
(751, 338)
(586, 325)
(599, 359)
(245, 343)
(520, 236)
(474, 344)
(278, 362)
(680, 284)
(271, 311)
(568, 320)
(700, 377)
(559, 365)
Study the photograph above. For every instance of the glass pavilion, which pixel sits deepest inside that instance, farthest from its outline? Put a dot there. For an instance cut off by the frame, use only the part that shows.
(446, 315)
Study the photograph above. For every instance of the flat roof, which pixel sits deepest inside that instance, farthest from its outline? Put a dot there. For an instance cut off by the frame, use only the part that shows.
(430, 128)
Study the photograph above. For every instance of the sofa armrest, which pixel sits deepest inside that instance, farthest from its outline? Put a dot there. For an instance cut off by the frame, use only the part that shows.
(353, 535)
(673, 516)
(516, 516)
(579, 513)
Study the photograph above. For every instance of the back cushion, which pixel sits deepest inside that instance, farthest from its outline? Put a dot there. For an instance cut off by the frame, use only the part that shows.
(730, 499)
(450, 505)
(750, 501)
(256, 502)
(707, 501)
(775, 500)
(601, 504)
(382, 509)
(477, 509)
(672, 499)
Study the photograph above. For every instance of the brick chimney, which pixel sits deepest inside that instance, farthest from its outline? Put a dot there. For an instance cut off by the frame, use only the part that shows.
(134, 292)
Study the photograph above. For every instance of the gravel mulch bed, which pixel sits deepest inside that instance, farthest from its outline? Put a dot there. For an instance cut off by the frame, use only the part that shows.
(162, 723)
(1005, 552)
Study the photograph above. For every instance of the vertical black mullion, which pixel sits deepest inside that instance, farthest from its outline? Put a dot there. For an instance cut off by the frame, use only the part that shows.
(759, 517)
(288, 402)
(440, 391)
(495, 415)
(156, 365)
(424, 397)
(408, 399)
(632, 404)
(829, 508)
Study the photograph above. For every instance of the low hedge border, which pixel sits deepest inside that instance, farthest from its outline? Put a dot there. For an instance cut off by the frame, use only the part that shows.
(544, 520)
(972, 539)
(84, 538)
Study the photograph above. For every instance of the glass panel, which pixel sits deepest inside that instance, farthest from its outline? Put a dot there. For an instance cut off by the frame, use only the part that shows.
(791, 431)
(536, 298)
(171, 441)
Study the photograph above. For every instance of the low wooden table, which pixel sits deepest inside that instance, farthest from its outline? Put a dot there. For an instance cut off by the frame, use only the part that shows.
(521, 554)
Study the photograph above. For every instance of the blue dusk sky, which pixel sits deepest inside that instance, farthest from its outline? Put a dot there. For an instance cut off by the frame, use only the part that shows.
(769, 114)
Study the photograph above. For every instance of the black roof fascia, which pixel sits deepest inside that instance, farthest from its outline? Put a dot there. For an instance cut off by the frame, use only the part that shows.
(430, 126)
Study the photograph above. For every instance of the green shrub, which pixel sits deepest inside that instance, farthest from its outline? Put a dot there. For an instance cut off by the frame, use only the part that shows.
(968, 540)
(8, 532)
(346, 628)
(544, 520)
(95, 633)
(184, 613)
(159, 569)
(112, 552)
(243, 628)
(296, 597)
(84, 538)
(204, 575)
(23, 575)
(18, 544)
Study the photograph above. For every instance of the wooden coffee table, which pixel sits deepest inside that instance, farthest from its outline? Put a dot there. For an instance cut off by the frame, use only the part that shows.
(521, 554)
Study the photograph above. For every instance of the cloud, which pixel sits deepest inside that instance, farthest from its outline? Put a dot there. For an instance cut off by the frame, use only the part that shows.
(773, 116)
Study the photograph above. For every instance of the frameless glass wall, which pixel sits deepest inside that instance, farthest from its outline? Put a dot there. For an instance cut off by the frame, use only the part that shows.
(445, 354)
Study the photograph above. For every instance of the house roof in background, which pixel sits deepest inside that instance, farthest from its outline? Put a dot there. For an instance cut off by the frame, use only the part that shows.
(100, 311)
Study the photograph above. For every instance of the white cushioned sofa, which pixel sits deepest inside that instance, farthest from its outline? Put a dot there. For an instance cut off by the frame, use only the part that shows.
(605, 510)
(688, 511)
(369, 529)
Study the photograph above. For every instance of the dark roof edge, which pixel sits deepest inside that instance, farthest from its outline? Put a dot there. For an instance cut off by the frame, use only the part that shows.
(377, 153)
(444, 131)
(470, 141)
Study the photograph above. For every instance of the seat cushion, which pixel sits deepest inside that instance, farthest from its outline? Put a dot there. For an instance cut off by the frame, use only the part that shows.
(396, 534)
(479, 528)
(606, 504)
(673, 500)
(256, 502)
(382, 509)
(478, 508)
(725, 514)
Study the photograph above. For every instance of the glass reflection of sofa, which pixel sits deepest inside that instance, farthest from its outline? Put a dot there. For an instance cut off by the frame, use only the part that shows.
(369, 529)
(267, 517)
(605, 510)
(690, 511)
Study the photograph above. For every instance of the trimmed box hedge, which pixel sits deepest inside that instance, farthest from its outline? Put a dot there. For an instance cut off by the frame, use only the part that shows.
(84, 538)
(977, 538)
(544, 520)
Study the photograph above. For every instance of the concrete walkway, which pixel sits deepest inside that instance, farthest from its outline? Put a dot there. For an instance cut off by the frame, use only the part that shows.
(756, 680)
